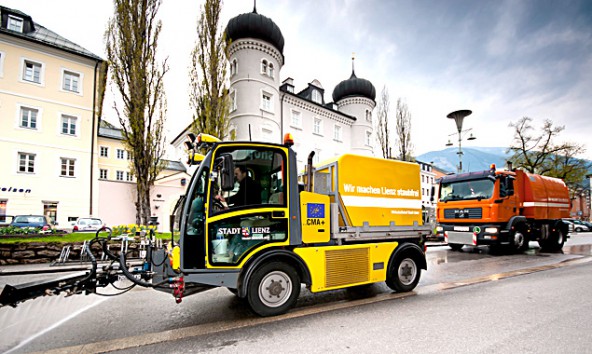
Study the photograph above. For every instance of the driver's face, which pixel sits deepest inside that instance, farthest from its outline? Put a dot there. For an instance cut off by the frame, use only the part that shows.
(239, 175)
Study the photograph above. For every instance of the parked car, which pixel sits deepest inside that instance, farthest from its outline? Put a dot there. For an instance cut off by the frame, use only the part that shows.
(5, 220)
(87, 225)
(579, 226)
(34, 221)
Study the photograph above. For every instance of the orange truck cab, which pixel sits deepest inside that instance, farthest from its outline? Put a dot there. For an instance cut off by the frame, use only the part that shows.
(502, 208)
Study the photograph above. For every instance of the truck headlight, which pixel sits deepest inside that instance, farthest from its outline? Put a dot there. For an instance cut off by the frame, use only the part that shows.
(439, 229)
(491, 230)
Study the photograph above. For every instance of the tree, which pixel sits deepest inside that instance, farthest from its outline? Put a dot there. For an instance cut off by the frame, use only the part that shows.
(537, 153)
(382, 129)
(403, 130)
(208, 92)
(131, 43)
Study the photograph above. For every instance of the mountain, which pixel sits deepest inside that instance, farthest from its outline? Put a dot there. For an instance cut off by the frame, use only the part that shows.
(473, 158)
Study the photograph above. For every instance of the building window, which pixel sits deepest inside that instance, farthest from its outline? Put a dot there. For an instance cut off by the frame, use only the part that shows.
(32, 71)
(368, 138)
(119, 175)
(104, 151)
(296, 120)
(15, 23)
(317, 156)
(129, 177)
(2, 55)
(120, 154)
(264, 67)
(271, 73)
(337, 133)
(317, 126)
(67, 167)
(68, 125)
(103, 173)
(368, 116)
(71, 81)
(26, 162)
(266, 102)
(232, 100)
(316, 97)
(129, 155)
(28, 118)
(233, 67)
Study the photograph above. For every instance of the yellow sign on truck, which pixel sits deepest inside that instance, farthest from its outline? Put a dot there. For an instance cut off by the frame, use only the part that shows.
(374, 191)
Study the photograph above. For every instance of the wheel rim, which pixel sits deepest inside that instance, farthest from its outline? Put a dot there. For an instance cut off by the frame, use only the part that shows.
(559, 237)
(407, 271)
(275, 289)
(518, 239)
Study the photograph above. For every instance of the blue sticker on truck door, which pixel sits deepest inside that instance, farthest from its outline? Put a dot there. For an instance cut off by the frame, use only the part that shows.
(315, 210)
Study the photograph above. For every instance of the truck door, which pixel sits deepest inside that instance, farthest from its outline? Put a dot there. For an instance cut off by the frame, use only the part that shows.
(507, 197)
(254, 214)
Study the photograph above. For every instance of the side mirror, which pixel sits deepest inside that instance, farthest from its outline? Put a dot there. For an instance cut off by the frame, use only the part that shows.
(225, 165)
(432, 194)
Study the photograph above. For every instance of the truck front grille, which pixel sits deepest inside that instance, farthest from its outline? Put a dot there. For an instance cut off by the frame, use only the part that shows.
(466, 213)
(347, 266)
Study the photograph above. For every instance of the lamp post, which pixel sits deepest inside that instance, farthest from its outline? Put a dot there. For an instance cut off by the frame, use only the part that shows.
(458, 117)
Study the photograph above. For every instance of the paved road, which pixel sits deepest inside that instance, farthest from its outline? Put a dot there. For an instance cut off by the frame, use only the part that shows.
(143, 315)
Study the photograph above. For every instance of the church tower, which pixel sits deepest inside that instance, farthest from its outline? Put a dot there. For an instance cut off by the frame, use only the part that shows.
(256, 58)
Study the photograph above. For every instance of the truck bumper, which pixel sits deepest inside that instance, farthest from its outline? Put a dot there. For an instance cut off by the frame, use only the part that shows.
(477, 235)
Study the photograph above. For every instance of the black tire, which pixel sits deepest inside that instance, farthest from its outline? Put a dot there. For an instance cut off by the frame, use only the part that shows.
(554, 243)
(455, 246)
(273, 289)
(519, 242)
(578, 229)
(404, 273)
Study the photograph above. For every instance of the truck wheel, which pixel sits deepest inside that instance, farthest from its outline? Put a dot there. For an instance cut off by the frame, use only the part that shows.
(273, 289)
(455, 246)
(554, 243)
(519, 242)
(404, 274)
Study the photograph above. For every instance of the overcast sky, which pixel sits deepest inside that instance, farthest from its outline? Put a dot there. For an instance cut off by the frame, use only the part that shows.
(501, 59)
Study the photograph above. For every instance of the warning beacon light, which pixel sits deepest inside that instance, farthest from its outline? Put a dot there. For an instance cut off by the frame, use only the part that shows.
(288, 139)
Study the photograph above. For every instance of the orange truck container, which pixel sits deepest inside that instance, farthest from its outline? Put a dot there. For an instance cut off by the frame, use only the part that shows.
(503, 208)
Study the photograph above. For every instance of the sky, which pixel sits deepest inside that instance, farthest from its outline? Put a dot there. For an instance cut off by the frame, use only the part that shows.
(502, 60)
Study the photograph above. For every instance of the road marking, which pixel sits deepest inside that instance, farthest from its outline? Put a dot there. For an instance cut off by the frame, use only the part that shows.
(217, 327)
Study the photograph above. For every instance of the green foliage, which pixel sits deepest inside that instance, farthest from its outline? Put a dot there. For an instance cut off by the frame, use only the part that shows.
(209, 97)
(12, 230)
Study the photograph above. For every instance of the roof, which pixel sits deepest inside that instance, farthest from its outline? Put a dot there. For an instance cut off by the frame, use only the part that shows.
(254, 25)
(354, 86)
(37, 33)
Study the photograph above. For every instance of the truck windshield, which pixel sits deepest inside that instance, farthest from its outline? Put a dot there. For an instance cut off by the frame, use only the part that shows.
(464, 190)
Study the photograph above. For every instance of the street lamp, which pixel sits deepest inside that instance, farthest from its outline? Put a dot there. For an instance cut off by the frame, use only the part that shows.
(458, 117)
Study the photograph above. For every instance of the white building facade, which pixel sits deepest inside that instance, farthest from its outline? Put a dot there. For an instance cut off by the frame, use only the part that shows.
(263, 109)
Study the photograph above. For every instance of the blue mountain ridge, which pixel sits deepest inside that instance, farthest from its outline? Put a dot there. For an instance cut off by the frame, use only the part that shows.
(473, 158)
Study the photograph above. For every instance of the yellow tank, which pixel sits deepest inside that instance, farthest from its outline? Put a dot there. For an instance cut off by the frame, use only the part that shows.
(372, 190)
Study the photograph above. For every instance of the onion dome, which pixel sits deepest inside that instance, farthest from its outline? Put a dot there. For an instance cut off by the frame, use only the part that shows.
(354, 86)
(253, 25)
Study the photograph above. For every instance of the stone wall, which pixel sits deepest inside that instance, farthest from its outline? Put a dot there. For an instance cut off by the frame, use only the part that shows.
(42, 252)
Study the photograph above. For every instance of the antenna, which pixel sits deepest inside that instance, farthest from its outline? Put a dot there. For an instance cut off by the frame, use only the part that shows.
(353, 58)
(254, 6)
(250, 139)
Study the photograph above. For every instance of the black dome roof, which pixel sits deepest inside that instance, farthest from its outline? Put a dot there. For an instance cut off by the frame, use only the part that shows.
(253, 25)
(354, 86)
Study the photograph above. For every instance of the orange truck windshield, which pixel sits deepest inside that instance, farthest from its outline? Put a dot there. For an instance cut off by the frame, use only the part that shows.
(465, 190)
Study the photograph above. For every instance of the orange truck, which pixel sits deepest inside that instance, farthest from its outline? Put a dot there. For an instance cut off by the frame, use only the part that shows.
(505, 208)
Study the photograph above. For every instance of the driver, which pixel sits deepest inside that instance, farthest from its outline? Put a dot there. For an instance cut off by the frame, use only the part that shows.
(249, 191)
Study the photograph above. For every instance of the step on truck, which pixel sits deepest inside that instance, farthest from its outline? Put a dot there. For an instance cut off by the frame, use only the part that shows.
(250, 223)
(502, 208)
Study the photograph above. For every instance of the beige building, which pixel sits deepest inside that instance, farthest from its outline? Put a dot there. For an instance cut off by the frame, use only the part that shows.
(117, 195)
(57, 159)
(48, 105)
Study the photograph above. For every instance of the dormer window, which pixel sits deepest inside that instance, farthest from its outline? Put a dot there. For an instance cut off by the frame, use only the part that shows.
(316, 97)
(15, 23)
